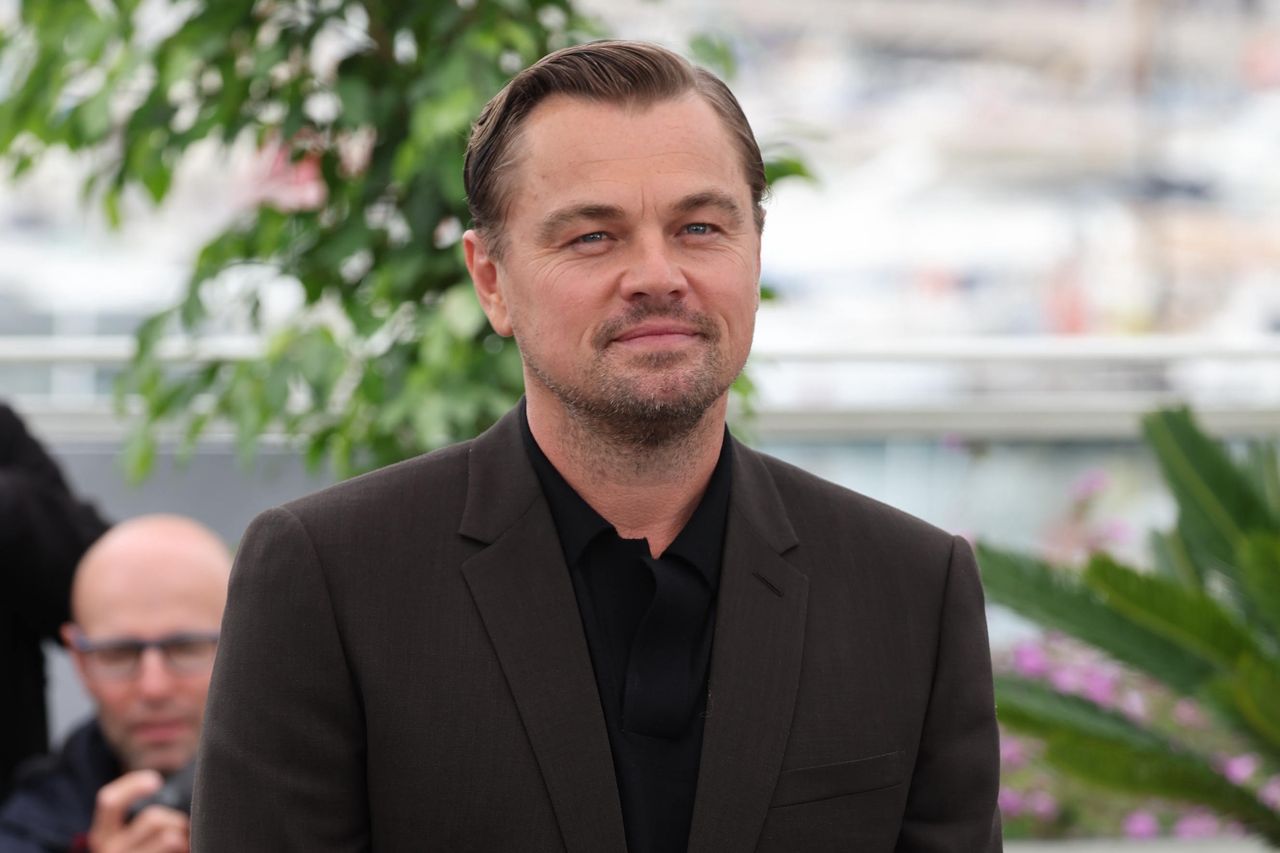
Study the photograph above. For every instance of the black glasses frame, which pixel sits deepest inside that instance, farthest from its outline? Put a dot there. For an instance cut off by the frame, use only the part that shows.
(135, 647)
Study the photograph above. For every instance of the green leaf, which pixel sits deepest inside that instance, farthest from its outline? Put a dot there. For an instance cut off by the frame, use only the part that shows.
(778, 168)
(1106, 748)
(461, 311)
(1263, 467)
(93, 117)
(1256, 689)
(1173, 560)
(139, 455)
(111, 205)
(1217, 505)
(715, 53)
(1189, 618)
(1152, 771)
(1035, 707)
(1056, 599)
(447, 116)
(1259, 561)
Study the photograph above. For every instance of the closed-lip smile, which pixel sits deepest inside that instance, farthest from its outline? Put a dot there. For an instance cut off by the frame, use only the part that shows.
(658, 329)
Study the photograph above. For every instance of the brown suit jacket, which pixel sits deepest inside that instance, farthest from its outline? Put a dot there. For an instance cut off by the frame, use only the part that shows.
(403, 668)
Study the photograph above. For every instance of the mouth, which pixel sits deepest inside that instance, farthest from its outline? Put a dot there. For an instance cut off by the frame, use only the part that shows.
(658, 333)
(157, 731)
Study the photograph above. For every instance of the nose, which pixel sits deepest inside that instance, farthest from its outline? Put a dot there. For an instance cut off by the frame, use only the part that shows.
(653, 270)
(154, 678)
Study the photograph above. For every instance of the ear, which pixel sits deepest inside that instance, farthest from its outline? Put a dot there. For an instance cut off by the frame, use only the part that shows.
(759, 261)
(484, 277)
(68, 632)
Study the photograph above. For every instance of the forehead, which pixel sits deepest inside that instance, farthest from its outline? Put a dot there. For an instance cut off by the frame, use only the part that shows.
(152, 612)
(150, 591)
(571, 146)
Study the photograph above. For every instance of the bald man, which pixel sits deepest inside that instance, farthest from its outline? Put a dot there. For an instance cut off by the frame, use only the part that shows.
(147, 602)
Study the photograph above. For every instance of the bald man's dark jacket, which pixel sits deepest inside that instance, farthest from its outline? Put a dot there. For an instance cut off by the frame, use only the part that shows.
(403, 668)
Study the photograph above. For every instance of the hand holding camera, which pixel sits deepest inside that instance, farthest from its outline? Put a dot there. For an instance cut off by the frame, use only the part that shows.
(142, 813)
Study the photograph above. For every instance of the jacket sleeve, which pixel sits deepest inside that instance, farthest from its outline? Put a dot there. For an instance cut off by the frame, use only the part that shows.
(951, 807)
(281, 765)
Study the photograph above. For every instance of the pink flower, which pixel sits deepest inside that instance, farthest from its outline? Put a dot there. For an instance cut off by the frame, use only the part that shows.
(1013, 752)
(1107, 533)
(1030, 660)
(288, 184)
(1188, 714)
(1100, 685)
(1197, 825)
(1066, 680)
(1042, 804)
(1270, 792)
(1239, 768)
(1011, 802)
(1141, 824)
(1090, 484)
(1133, 705)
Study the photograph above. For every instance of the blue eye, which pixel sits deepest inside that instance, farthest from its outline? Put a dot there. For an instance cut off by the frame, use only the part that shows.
(699, 228)
(593, 237)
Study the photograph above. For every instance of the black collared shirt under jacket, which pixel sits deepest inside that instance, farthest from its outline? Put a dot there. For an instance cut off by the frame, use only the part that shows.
(648, 623)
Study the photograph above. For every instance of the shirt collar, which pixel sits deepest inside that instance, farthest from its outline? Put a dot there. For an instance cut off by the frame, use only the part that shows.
(700, 542)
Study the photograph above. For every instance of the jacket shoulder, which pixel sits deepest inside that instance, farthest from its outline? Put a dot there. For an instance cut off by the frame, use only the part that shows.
(829, 501)
(429, 482)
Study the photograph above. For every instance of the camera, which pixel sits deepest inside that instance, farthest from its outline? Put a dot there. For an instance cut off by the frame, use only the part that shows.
(175, 794)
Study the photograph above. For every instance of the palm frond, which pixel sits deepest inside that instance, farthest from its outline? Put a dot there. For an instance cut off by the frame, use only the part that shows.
(1173, 559)
(1217, 505)
(1219, 698)
(1260, 576)
(1187, 617)
(1057, 600)
(1262, 465)
(1169, 773)
(1038, 709)
(1109, 749)
(1256, 688)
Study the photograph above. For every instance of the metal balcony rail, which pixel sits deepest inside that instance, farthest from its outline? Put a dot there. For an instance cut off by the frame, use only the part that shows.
(1001, 388)
(109, 350)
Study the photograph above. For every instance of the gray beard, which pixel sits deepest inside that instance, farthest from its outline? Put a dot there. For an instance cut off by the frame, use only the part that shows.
(615, 413)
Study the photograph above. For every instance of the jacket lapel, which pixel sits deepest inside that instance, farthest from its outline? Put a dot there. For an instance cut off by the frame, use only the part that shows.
(522, 589)
(755, 665)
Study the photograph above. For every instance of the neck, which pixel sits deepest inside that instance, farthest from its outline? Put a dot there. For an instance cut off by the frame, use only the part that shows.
(645, 490)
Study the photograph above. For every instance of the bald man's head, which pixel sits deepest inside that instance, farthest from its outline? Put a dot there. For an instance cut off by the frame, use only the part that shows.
(159, 581)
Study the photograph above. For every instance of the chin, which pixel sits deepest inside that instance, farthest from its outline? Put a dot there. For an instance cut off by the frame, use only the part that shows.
(165, 759)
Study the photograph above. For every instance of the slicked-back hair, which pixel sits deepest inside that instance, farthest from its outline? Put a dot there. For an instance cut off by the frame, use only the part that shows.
(623, 73)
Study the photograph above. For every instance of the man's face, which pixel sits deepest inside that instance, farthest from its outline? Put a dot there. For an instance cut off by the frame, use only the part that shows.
(150, 718)
(630, 274)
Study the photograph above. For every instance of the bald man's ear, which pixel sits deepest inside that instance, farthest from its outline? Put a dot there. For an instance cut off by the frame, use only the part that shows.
(486, 278)
(68, 633)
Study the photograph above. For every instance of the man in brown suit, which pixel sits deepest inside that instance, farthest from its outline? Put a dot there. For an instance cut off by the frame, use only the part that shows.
(604, 625)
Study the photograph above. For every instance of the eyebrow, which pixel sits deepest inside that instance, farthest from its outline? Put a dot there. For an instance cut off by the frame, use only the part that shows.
(554, 222)
(712, 198)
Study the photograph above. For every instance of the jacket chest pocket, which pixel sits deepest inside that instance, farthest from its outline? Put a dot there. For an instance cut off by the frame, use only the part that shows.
(811, 784)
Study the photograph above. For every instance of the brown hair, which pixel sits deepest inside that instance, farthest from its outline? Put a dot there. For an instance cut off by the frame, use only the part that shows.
(627, 73)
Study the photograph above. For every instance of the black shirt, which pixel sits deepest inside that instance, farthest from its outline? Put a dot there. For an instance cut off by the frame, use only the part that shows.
(648, 623)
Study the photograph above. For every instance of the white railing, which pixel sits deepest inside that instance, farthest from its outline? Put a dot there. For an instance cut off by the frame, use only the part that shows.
(1148, 349)
(1038, 388)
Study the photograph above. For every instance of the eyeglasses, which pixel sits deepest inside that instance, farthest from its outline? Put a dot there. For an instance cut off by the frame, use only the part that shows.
(118, 658)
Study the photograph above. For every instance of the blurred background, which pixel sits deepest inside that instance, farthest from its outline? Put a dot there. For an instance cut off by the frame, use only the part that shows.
(1027, 224)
